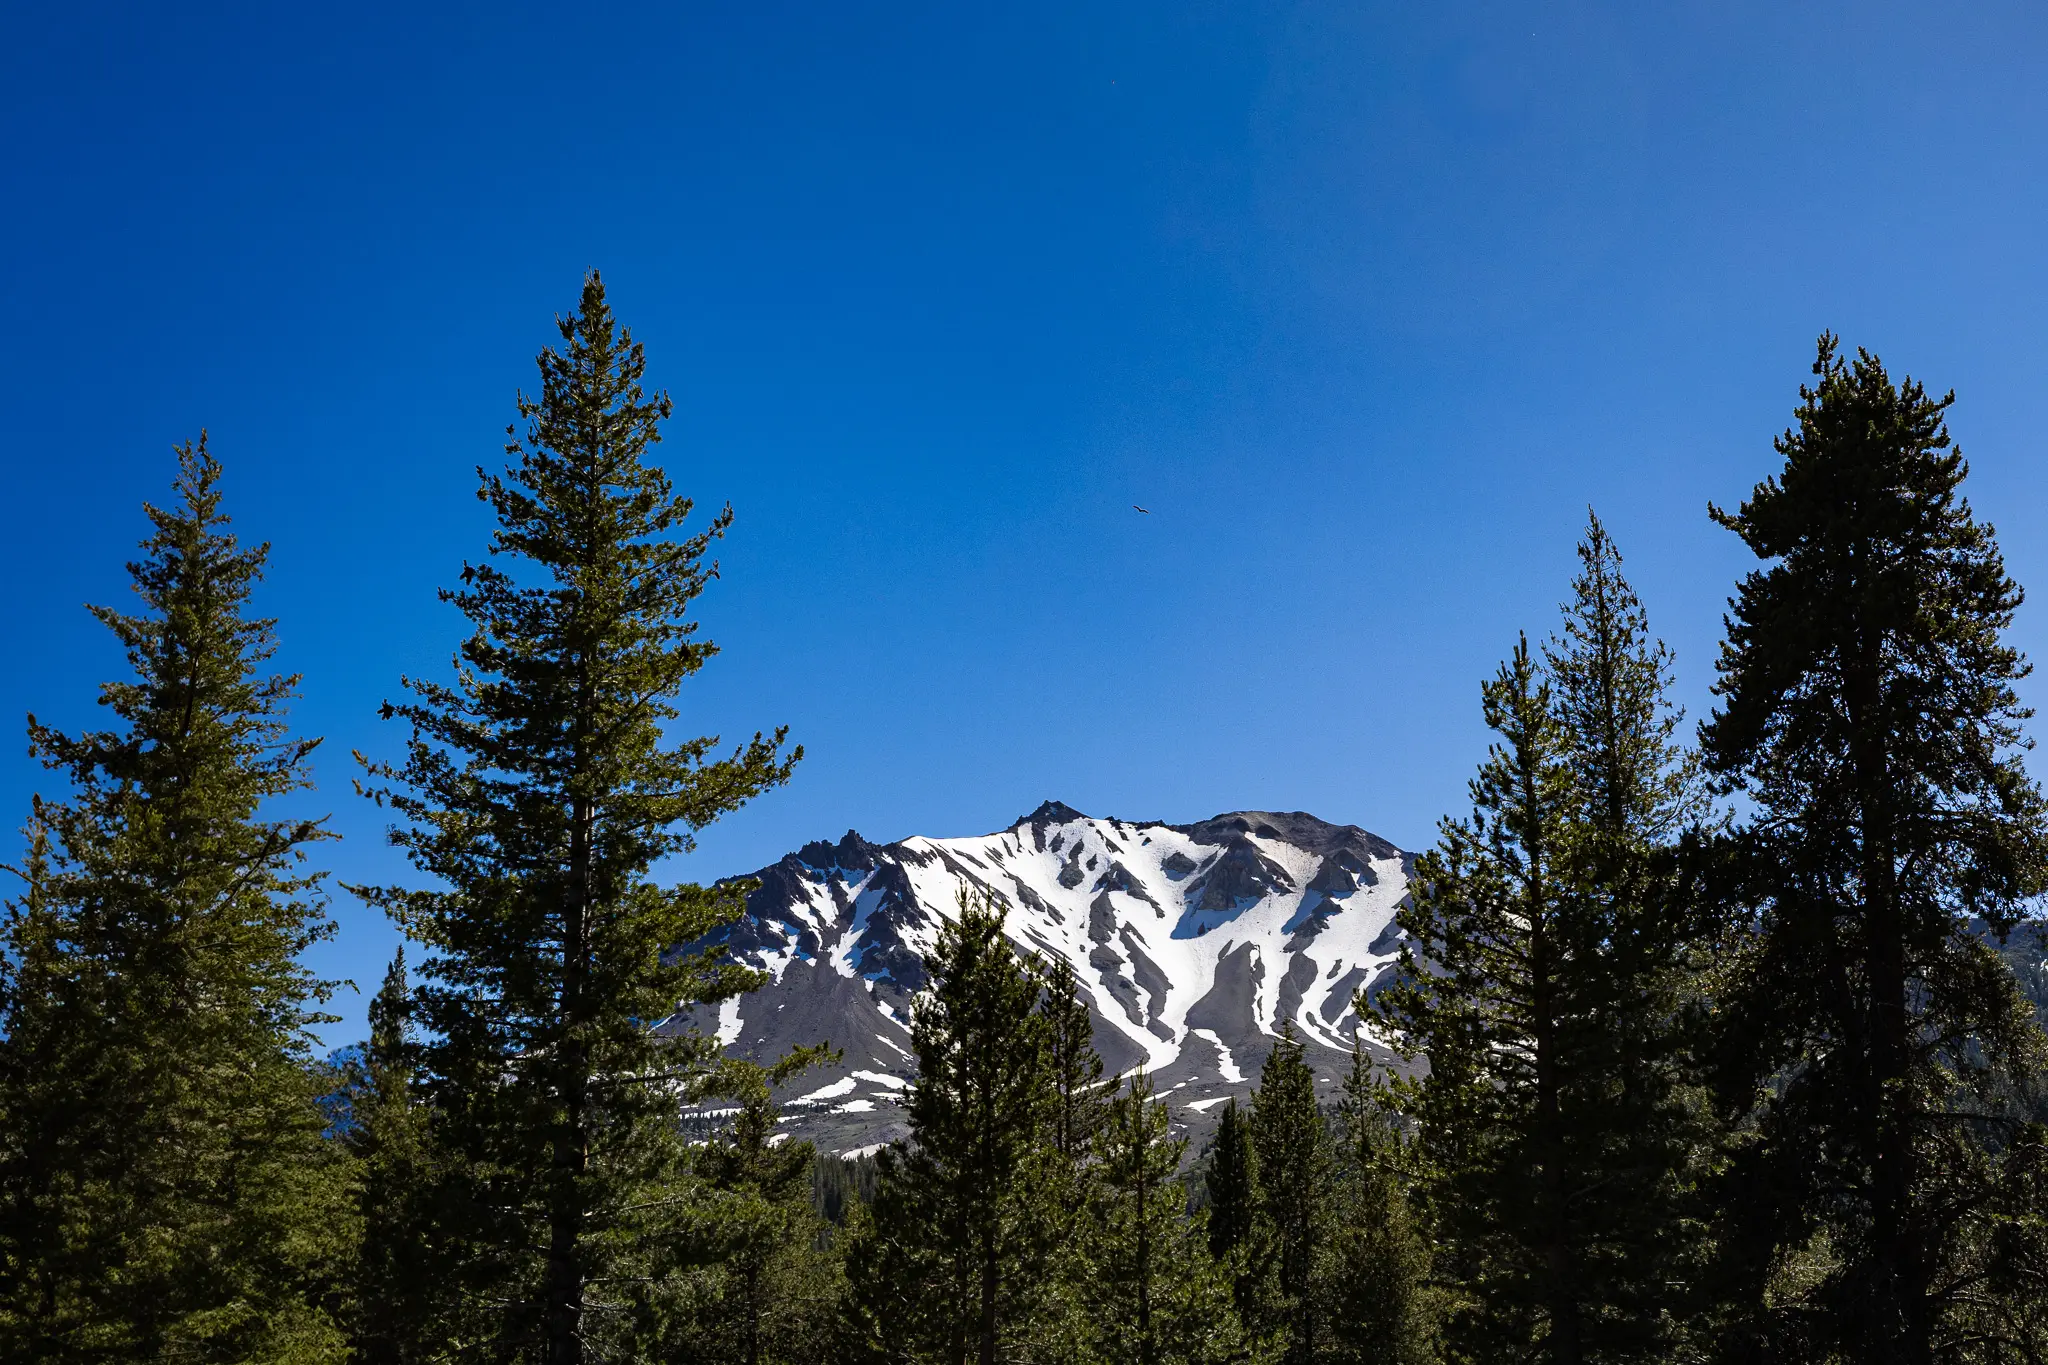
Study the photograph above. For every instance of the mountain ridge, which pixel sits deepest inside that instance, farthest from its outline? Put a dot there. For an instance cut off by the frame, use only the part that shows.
(1193, 943)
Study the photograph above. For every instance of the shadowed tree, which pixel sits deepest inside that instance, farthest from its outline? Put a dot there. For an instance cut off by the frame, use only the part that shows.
(540, 788)
(954, 1268)
(1868, 712)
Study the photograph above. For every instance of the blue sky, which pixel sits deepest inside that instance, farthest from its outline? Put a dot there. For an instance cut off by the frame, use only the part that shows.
(1366, 303)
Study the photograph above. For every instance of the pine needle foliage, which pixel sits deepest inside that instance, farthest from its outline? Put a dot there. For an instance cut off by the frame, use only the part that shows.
(770, 1287)
(954, 1268)
(1560, 1131)
(1080, 1096)
(539, 790)
(1240, 1237)
(1149, 1291)
(166, 1193)
(1296, 1181)
(1380, 1304)
(1494, 1012)
(385, 1128)
(1868, 711)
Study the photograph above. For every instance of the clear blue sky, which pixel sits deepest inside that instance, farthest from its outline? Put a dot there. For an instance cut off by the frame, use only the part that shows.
(1365, 302)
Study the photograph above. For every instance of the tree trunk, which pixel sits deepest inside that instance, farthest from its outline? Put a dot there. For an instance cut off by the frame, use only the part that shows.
(1560, 1298)
(1901, 1278)
(988, 1295)
(564, 1279)
(1144, 1273)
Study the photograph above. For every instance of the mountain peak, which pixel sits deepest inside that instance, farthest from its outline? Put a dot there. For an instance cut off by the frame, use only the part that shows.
(1192, 945)
(1049, 813)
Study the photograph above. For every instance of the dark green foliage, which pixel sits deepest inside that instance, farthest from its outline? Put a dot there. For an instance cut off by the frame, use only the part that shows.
(1379, 1305)
(770, 1288)
(1296, 1179)
(1079, 1094)
(1868, 710)
(1559, 1137)
(1493, 1013)
(1148, 1291)
(1240, 1237)
(165, 1190)
(1232, 1184)
(1644, 1124)
(392, 1317)
(539, 790)
(2002, 1309)
(954, 1266)
(838, 1184)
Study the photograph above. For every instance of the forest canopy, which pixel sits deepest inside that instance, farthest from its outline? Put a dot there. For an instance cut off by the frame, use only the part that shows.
(1716, 1044)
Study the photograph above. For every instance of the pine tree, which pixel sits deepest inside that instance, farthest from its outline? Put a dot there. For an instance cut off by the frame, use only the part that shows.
(1379, 1305)
(772, 1290)
(1496, 917)
(1868, 710)
(387, 1131)
(1232, 1183)
(1562, 1133)
(1080, 1096)
(165, 1190)
(2003, 1310)
(1240, 1237)
(1149, 1290)
(539, 790)
(1641, 1120)
(1064, 1161)
(1296, 1180)
(953, 1269)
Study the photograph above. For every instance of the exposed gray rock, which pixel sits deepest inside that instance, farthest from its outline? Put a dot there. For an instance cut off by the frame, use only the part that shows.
(1302, 909)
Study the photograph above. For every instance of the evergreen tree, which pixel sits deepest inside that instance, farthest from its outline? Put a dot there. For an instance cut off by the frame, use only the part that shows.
(166, 1192)
(1062, 1167)
(1232, 1183)
(1561, 1134)
(1149, 1291)
(953, 1269)
(771, 1288)
(1497, 1012)
(1642, 1121)
(1379, 1306)
(1868, 711)
(539, 790)
(1240, 1237)
(839, 1184)
(1080, 1096)
(2002, 1309)
(1296, 1180)
(386, 1130)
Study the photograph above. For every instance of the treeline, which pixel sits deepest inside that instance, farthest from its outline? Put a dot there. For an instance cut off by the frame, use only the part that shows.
(1713, 1053)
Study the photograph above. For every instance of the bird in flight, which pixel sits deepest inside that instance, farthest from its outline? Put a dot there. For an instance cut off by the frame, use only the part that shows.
(1146, 510)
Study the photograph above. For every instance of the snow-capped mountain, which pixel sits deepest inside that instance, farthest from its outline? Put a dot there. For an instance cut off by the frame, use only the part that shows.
(1193, 943)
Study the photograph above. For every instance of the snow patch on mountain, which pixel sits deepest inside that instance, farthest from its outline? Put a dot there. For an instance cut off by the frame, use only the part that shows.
(1193, 943)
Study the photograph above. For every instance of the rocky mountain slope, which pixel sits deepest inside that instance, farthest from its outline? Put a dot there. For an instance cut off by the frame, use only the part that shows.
(1193, 943)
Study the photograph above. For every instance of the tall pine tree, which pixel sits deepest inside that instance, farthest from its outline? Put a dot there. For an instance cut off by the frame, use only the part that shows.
(1868, 711)
(954, 1266)
(1148, 1288)
(1643, 1120)
(392, 1318)
(540, 788)
(165, 1189)
(1559, 1131)
(770, 1290)
(1240, 1236)
(1080, 1096)
(1379, 1304)
(1498, 1014)
(1296, 1180)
